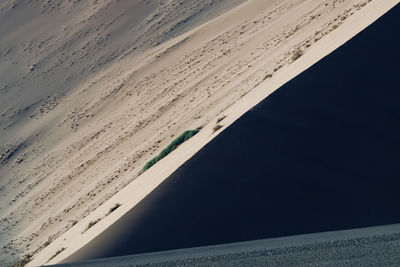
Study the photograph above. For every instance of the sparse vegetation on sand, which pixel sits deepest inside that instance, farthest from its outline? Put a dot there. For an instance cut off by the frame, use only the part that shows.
(221, 118)
(22, 262)
(217, 127)
(91, 224)
(55, 254)
(116, 206)
(297, 54)
(267, 76)
(171, 147)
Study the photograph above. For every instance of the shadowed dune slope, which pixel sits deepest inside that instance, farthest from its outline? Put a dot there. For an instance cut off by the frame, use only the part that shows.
(319, 154)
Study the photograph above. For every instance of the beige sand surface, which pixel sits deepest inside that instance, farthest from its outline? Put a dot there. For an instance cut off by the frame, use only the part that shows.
(91, 90)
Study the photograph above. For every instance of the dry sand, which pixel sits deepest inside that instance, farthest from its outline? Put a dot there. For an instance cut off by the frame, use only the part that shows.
(91, 90)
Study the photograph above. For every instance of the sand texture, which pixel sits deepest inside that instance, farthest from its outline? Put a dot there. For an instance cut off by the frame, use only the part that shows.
(319, 154)
(91, 90)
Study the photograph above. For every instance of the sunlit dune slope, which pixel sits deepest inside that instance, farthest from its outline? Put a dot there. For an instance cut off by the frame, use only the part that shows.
(91, 90)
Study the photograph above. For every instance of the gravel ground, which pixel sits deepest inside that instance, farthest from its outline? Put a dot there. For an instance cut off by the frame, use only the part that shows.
(374, 251)
(376, 246)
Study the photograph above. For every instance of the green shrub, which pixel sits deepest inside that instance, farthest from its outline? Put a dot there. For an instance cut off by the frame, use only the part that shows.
(171, 147)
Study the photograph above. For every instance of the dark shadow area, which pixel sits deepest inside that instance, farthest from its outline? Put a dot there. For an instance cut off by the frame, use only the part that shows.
(321, 153)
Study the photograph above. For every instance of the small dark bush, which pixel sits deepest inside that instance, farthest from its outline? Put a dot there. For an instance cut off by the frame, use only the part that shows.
(267, 76)
(116, 206)
(217, 127)
(297, 54)
(221, 119)
(171, 147)
(91, 224)
(55, 254)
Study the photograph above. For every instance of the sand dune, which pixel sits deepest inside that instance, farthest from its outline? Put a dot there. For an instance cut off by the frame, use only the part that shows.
(91, 90)
(319, 154)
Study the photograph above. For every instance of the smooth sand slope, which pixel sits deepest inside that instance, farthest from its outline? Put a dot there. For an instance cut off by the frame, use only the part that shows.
(91, 90)
(72, 240)
(319, 154)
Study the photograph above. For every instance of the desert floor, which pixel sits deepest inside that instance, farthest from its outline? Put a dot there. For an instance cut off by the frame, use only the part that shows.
(372, 246)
